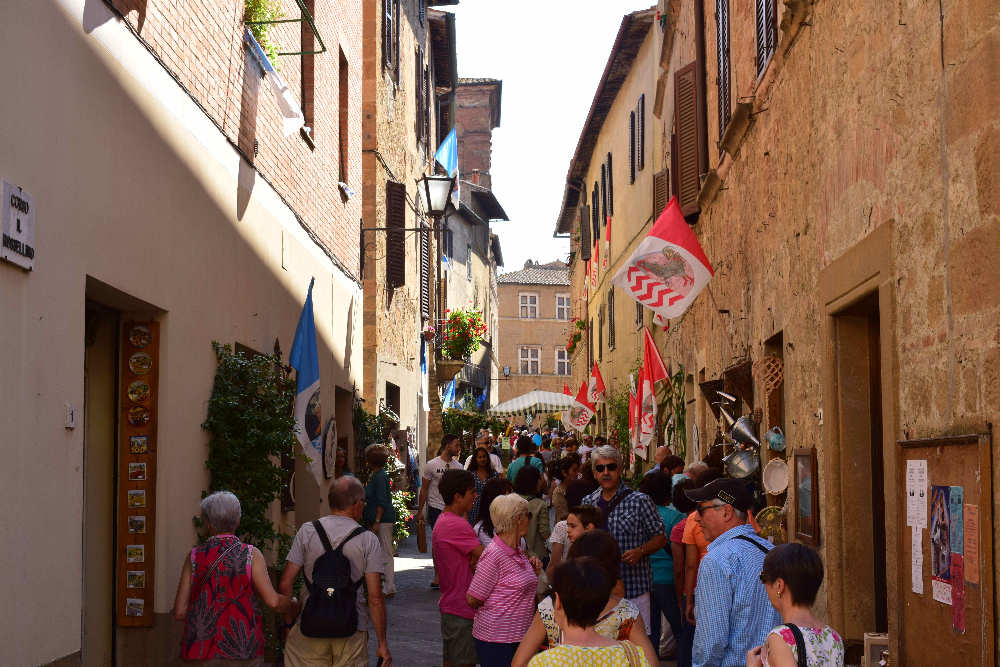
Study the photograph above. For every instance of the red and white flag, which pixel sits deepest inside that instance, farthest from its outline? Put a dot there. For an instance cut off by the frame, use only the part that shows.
(607, 244)
(596, 261)
(578, 416)
(668, 269)
(595, 386)
(651, 358)
(566, 389)
(646, 409)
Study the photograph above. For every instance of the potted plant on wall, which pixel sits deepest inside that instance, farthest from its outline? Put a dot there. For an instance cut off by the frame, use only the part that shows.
(462, 332)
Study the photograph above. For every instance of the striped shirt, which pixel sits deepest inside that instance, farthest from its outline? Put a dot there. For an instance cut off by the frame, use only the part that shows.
(633, 522)
(730, 604)
(506, 583)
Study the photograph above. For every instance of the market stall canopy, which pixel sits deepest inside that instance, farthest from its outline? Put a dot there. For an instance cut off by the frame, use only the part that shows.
(533, 402)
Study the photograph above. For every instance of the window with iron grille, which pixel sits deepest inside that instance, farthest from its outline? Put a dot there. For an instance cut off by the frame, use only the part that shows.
(528, 306)
(395, 245)
(390, 37)
(611, 318)
(722, 58)
(562, 306)
(766, 31)
(631, 147)
(562, 362)
(425, 272)
(530, 360)
(640, 133)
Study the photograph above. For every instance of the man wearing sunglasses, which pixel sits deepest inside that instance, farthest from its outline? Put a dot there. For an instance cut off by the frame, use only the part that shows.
(633, 521)
(731, 608)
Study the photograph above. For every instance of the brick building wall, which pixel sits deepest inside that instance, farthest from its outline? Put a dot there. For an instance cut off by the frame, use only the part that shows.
(477, 113)
(201, 43)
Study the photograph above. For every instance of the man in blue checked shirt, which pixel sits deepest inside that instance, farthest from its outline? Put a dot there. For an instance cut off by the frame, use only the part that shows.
(731, 609)
(633, 521)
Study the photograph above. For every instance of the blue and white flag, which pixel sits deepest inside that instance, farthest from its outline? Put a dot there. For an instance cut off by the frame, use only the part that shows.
(481, 399)
(304, 358)
(448, 400)
(447, 153)
(291, 112)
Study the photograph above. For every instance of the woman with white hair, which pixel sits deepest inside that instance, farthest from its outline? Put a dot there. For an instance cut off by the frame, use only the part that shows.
(503, 588)
(215, 592)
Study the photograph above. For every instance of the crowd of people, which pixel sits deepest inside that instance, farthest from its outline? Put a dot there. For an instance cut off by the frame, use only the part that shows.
(543, 555)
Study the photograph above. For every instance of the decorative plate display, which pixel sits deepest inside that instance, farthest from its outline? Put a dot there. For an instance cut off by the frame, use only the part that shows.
(140, 363)
(138, 415)
(140, 336)
(138, 391)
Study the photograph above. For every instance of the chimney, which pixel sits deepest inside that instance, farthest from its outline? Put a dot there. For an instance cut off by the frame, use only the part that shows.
(528, 264)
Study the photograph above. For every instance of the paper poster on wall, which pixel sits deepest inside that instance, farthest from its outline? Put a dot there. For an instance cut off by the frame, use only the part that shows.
(916, 493)
(134, 606)
(957, 593)
(917, 559)
(137, 523)
(940, 544)
(135, 579)
(971, 516)
(941, 591)
(955, 513)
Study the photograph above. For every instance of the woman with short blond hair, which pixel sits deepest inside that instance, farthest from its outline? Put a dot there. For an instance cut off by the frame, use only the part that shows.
(503, 588)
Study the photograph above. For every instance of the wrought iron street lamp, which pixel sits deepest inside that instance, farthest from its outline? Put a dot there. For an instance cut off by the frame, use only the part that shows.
(435, 191)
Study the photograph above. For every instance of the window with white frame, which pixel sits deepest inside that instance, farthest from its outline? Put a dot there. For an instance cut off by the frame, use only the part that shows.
(529, 306)
(530, 358)
(562, 306)
(562, 362)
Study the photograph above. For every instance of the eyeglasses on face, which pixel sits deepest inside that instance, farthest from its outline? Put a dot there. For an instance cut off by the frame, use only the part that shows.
(601, 467)
(704, 508)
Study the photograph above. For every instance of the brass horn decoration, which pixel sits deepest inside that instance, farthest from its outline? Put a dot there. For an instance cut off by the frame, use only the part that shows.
(743, 432)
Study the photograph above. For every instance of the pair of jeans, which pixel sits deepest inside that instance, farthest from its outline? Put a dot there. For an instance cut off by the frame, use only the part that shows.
(495, 654)
(665, 602)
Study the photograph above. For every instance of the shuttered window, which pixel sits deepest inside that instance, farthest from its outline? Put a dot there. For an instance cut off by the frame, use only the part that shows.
(766, 31)
(585, 242)
(722, 59)
(600, 333)
(427, 105)
(387, 32)
(611, 319)
(611, 188)
(631, 147)
(638, 315)
(688, 132)
(395, 237)
(595, 211)
(604, 194)
(425, 272)
(660, 189)
(640, 138)
(418, 89)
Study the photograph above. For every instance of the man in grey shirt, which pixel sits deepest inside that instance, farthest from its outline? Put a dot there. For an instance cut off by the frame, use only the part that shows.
(347, 502)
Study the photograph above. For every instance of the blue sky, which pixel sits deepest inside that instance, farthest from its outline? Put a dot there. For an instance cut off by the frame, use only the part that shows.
(550, 55)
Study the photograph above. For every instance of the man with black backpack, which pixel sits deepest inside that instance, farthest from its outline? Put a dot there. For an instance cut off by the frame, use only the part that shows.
(335, 553)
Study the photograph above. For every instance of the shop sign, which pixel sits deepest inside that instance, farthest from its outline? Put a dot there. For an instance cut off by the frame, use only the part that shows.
(18, 224)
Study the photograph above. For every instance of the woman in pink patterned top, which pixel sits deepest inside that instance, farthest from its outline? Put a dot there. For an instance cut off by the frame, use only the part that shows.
(215, 595)
(503, 588)
(792, 575)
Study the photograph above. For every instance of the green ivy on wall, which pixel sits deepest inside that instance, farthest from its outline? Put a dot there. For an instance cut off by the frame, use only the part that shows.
(263, 10)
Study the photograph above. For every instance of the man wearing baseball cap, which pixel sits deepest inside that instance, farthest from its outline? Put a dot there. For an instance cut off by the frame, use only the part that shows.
(731, 608)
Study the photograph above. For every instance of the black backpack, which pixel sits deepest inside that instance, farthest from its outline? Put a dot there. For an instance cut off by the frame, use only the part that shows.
(331, 609)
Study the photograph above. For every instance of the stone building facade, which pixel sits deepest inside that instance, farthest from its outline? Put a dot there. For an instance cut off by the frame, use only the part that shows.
(473, 251)
(837, 171)
(409, 78)
(165, 193)
(535, 322)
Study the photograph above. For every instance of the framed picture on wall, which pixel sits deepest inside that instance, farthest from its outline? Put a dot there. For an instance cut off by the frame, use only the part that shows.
(806, 495)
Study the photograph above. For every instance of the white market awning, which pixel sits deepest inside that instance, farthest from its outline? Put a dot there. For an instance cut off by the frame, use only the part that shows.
(533, 402)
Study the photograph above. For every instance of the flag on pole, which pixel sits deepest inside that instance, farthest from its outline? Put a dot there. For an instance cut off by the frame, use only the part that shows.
(448, 400)
(651, 358)
(481, 399)
(631, 415)
(595, 387)
(567, 390)
(578, 416)
(304, 358)
(595, 264)
(668, 269)
(447, 153)
(607, 244)
(291, 112)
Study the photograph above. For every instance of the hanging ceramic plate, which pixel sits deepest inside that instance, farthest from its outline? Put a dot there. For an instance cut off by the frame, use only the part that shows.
(138, 391)
(138, 415)
(140, 336)
(140, 363)
(775, 477)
